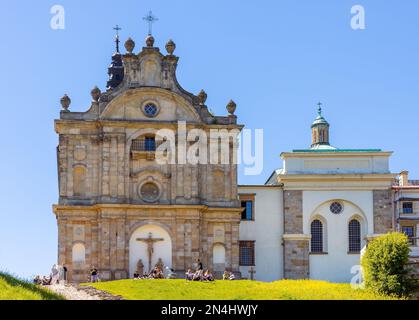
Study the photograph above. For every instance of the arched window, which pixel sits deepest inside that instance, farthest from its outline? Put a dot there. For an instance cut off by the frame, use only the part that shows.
(79, 181)
(79, 253)
(316, 236)
(354, 229)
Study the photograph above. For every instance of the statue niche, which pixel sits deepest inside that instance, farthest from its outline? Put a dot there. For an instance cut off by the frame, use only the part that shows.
(151, 73)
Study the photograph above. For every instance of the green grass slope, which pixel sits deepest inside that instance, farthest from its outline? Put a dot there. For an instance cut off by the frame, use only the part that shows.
(235, 290)
(12, 288)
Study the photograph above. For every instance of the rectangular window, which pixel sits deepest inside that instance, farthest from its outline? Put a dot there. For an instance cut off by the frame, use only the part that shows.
(247, 253)
(150, 144)
(248, 203)
(407, 207)
(247, 214)
(410, 232)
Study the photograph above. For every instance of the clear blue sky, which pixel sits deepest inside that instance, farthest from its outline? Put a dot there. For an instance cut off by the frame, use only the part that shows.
(276, 59)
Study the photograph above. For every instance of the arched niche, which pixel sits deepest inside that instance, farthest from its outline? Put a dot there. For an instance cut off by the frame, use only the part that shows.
(161, 247)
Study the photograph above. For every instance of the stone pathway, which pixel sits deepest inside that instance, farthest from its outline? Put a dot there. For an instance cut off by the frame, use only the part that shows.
(75, 292)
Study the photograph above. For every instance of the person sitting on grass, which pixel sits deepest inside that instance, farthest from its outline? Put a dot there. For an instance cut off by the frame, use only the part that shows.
(46, 281)
(226, 275)
(169, 273)
(208, 276)
(197, 276)
(232, 276)
(189, 275)
(37, 280)
(136, 275)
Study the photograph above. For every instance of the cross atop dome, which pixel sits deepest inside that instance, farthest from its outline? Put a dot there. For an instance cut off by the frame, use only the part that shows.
(150, 18)
(319, 110)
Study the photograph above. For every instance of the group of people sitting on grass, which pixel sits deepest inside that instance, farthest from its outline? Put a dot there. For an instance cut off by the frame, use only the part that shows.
(199, 275)
(43, 281)
(155, 273)
(228, 275)
(57, 275)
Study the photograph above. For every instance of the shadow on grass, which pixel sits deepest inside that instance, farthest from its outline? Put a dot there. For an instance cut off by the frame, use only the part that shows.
(15, 282)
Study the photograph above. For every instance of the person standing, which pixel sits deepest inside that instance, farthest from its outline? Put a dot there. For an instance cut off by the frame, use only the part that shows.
(65, 273)
(55, 274)
(93, 274)
(199, 265)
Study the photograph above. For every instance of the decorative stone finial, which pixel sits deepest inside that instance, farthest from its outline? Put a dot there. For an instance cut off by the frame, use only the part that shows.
(149, 41)
(95, 93)
(170, 47)
(130, 45)
(65, 102)
(202, 97)
(231, 107)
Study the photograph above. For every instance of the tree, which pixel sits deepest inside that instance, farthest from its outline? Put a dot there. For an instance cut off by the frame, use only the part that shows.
(384, 265)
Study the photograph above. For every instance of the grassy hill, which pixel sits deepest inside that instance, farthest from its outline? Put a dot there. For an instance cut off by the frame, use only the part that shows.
(12, 288)
(234, 290)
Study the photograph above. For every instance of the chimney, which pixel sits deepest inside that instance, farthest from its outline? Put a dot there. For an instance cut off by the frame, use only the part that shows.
(404, 178)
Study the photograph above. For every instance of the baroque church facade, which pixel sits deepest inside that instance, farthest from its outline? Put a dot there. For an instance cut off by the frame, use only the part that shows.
(119, 208)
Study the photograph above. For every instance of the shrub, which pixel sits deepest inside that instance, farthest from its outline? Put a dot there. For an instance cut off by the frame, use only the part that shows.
(384, 265)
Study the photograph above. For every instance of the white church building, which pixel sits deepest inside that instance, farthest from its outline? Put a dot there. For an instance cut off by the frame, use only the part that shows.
(313, 216)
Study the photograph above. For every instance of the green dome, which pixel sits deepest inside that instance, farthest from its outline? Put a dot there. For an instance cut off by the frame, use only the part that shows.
(319, 120)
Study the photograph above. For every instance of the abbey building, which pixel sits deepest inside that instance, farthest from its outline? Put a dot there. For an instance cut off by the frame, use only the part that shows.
(120, 209)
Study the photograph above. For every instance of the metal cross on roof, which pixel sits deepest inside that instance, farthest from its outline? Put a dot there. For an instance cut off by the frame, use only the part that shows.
(320, 108)
(117, 29)
(150, 18)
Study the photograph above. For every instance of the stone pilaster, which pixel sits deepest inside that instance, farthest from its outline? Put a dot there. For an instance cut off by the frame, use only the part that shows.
(296, 244)
(62, 242)
(296, 256)
(235, 229)
(383, 211)
(293, 212)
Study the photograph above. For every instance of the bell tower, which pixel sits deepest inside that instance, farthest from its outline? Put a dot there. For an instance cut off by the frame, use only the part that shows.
(320, 130)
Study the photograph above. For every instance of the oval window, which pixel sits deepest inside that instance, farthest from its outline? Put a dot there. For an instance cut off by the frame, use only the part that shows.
(149, 192)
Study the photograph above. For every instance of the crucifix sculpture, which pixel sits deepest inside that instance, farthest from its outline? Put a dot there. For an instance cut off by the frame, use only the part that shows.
(150, 246)
(150, 20)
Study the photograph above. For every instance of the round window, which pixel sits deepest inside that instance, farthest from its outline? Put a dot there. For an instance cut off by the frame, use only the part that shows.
(336, 207)
(150, 110)
(149, 192)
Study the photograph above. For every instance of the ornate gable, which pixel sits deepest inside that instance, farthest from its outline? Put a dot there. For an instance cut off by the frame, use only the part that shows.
(148, 91)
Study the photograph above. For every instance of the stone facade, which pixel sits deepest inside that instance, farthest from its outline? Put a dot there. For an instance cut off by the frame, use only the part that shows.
(293, 212)
(296, 257)
(102, 173)
(296, 244)
(383, 211)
